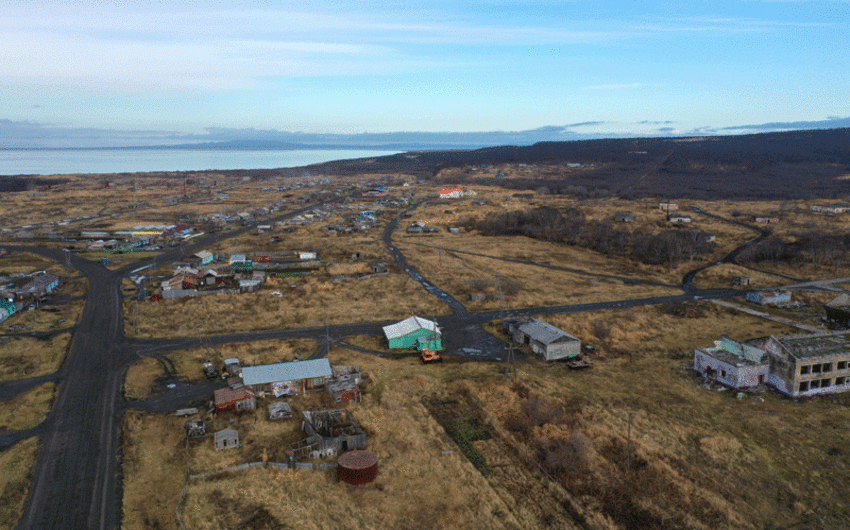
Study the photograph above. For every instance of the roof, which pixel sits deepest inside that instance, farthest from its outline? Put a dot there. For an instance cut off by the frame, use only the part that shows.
(545, 333)
(204, 254)
(815, 345)
(408, 326)
(226, 395)
(294, 371)
(842, 300)
(226, 434)
(737, 353)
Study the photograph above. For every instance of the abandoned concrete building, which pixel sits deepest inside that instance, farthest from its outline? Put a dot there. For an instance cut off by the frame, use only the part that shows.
(328, 433)
(837, 312)
(545, 339)
(732, 363)
(796, 365)
(804, 365)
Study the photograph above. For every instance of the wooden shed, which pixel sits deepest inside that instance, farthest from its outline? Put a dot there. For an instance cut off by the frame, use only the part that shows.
(407, 334)
(545, 339)
(227, 439)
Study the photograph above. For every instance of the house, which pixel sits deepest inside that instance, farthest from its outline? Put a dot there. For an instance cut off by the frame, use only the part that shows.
(455, 193)
(303, 256)
(344, 386)
(287, 379)
(227, 439)
(7, 309)
(238, 399)
(830, 209)
(771, 297)
(765, 220)
(677, 218)
(545, 339)
(668, 206)
(202, 258)
(732, 363)
(804, 365)
(279, 411)
(407, 334)
(37, 287)
(328, 433)
(236, 259)
(625, 218)
(837, 312)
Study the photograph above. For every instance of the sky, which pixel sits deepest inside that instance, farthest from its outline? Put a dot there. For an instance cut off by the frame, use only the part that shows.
(151, 72)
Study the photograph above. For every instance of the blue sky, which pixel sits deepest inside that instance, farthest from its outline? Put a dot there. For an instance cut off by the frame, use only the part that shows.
(92, 72)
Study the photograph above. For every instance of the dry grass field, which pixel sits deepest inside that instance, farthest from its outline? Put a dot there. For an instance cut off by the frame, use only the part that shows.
(27, 409)
(22, 357)
(48, 318)
(16, 464)
(788, 458)
(306, 301)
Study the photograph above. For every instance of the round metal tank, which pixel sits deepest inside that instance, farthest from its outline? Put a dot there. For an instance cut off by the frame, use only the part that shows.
(358, 467)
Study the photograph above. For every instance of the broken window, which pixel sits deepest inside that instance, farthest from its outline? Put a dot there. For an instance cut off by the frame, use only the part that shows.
(842, 365)
(804, 386)
(722, 373)
(814, 384)
(827, 367)
(825, 383)
(805, 369)
(815, 368)
(840, 380)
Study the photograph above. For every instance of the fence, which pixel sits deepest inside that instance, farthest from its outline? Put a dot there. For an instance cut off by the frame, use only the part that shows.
(582, 517)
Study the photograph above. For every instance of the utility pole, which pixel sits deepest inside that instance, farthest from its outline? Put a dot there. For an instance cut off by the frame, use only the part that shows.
(511, 366)
(629, 444)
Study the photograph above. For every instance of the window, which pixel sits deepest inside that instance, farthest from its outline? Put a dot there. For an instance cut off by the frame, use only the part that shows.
(814, 384)
(815, 368)
(804, 386)
(825, 383)
(842, 365)
(827, 367)
(840, 380)
(805, 369)
(722, 373)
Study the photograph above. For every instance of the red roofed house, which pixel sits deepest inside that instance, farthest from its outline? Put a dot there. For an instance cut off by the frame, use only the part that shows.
(237, 399)
(451, 194)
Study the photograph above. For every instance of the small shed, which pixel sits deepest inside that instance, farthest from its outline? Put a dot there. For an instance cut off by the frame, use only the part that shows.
(739, 281)
(772, 297)
(195, 428)
(227, 439)
(344, 389)
(279, 411)
(232, 366)
(545, 339)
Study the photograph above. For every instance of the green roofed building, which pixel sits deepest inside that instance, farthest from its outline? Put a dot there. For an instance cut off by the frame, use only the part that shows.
(414, 332)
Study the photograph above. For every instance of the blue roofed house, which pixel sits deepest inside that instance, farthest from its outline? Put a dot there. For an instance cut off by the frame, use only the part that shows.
(414, 332)
(7, 309)
(287, 379)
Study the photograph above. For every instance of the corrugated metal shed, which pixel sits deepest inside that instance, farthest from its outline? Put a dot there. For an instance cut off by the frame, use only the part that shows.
(294, 371)
(544, 333)
(408, 326)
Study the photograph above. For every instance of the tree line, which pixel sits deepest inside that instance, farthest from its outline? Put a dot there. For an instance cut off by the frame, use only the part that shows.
(570, 226)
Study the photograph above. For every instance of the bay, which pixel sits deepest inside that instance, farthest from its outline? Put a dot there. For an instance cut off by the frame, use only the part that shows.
(77, 161)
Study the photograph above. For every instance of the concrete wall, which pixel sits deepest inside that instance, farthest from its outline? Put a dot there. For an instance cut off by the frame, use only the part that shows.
(729, 374)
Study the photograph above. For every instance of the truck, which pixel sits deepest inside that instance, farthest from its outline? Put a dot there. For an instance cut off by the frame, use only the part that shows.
(430, 356)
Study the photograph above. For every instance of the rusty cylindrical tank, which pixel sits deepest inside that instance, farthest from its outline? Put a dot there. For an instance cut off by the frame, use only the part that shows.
(358, 467)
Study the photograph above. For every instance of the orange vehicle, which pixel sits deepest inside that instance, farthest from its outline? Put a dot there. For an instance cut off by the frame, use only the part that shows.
(430, 356)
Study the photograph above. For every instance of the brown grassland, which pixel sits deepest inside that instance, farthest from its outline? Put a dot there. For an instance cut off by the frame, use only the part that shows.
(27, 409)
(48, 318)
(22, 357)
(16, 464)
(311, 300)
(787, 457)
